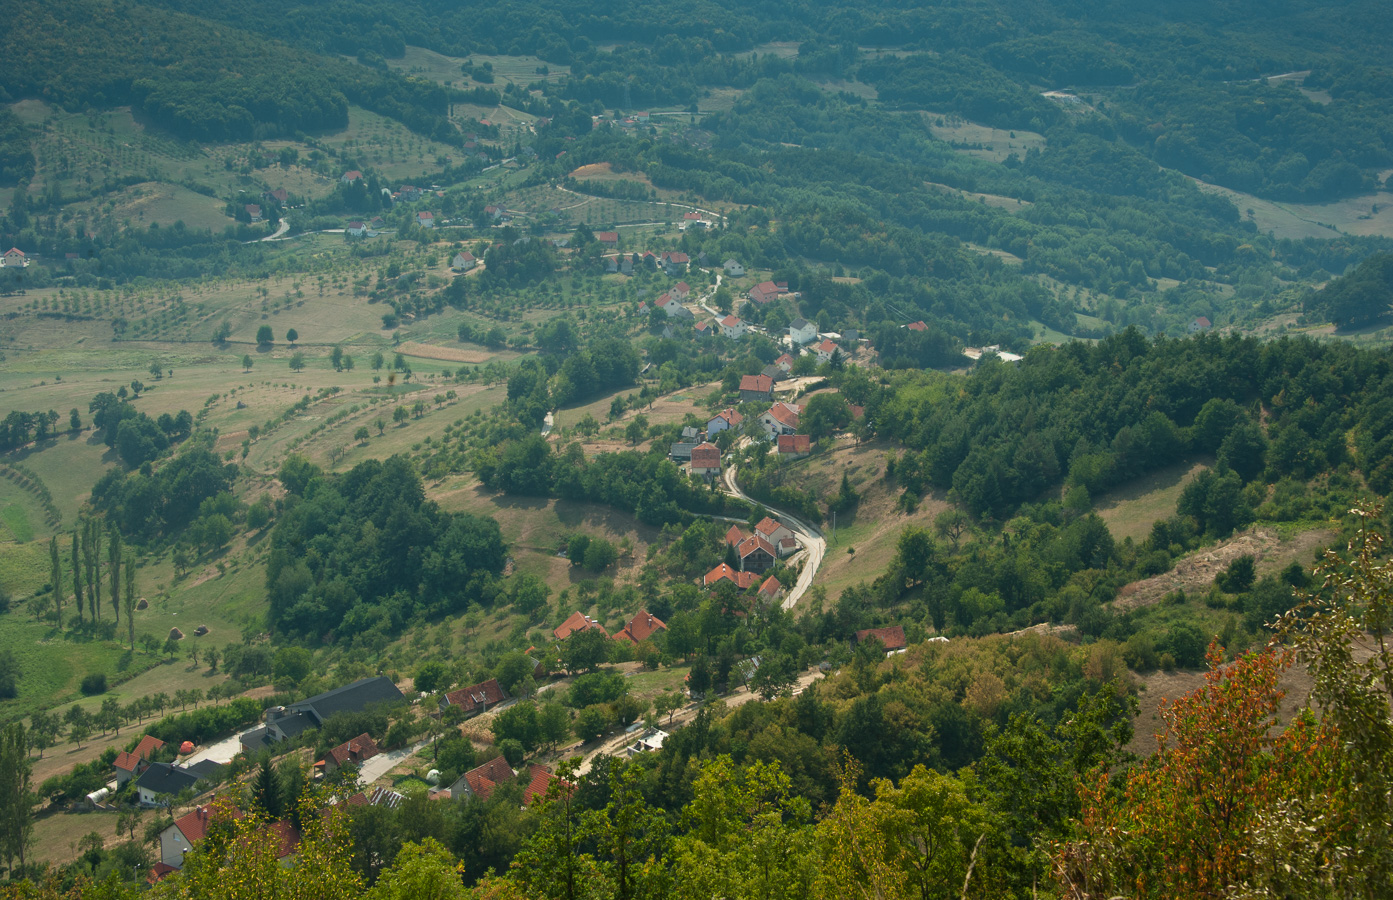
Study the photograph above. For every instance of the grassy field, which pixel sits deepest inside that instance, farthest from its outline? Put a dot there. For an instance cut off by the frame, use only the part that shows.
(1131, 509)
(1368, 214)
(981, 141)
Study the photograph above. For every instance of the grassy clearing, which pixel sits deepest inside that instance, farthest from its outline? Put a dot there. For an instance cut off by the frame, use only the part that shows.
(1369, 214)
(56, 834)
(1131, 509)
(981, 141)
(16, 519)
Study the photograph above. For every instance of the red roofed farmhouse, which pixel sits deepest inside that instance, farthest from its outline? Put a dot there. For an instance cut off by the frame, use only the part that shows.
(706, 459)
(129, 765)
(475, 698)
(794, 446)
(353, 752)
(892, 638)
(756, 387)
(764, 292)
(640, 628)
(578, 621)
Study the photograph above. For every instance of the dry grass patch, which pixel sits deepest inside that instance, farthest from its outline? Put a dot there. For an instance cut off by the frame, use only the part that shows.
(1131, 510)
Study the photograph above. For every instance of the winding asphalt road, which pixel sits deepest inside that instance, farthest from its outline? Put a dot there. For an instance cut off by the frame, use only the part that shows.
(808, 537)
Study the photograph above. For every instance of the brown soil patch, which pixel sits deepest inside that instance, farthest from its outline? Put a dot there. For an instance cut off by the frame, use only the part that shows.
(1195, 573)
(592, 170)
(449, 354)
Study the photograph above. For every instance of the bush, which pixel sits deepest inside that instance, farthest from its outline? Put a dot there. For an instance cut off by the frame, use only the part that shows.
(1238, 577)
(587, 690)
(512, 751)
(94, 684)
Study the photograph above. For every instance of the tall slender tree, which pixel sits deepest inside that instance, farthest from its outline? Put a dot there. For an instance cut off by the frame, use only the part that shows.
(16, 799)
(130, 598)
(113, 561)
(77, 577)
(55, 578)
(96, 574)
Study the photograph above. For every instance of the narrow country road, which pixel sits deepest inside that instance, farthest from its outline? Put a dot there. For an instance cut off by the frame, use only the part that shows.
(808, 537)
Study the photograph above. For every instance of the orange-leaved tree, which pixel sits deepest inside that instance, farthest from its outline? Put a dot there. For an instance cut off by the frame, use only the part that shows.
(1186, 822)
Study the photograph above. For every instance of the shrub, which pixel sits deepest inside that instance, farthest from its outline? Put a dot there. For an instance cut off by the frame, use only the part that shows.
(94, 684)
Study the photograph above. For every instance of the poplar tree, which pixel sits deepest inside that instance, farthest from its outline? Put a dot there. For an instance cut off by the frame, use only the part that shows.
(55, 578)
(130, 598)
(77, 578)
(113, 559)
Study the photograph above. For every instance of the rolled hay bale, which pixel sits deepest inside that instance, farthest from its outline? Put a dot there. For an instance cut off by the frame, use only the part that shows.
(176, 634)
(142, 603)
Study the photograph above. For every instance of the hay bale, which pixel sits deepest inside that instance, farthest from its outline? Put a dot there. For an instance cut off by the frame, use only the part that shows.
(142, 603)
(200, 631)
(176, 634)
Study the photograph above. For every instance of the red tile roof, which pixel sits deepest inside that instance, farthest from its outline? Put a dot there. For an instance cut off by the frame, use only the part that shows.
(640, 628)
(607, 237)
(477, 697)
(289, 838)
(741, 580)
(126, 762)
(771, 587)
(730, 321)
(682, 287)
(483, 779)
(754, 543)
(541, 781)
(735, 537)
(731, 416)
(577, 621)
(761, 383)
(892, 637)
(917, 326)
(783, 413)
(195, 825)
(795, 443)
(706, 456)
(355, 751)
(768, 526)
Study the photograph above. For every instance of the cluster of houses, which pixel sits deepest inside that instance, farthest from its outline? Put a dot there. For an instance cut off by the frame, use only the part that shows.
(756, 552)
(637, 630)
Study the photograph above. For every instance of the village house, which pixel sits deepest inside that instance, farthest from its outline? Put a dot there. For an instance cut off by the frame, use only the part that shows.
(463, 261)
(353, 752)
(351, 176)
(764, 292)
(801, 331)
(1201, 323)
(756, 388)
(539, 783)
(681, 451)
(495, 212)
(785, 363)
(742, 580)
(480, 781)
(779, 535)
(774, 373)
(254, 211)
(917, 326)
(706, 460)
(726, 418)
(681, 291)
(356, 229)
(892, 638)
(609, 239)
(476, 698)
(826, 350)
(279, 195)
(640, 628)
(733, 328)
(577, 621)
(188, 830)
(409, 193)
(733, 269)
(675, 262)
(651, 742)
(781, 418)
(794, 446)
(771, 589)
(703, 329)
(170, 780)
(425, 219)
(129, 765)
(756, 554)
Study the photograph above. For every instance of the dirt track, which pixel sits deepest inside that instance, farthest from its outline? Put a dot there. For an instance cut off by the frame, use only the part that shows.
(1195, 573)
